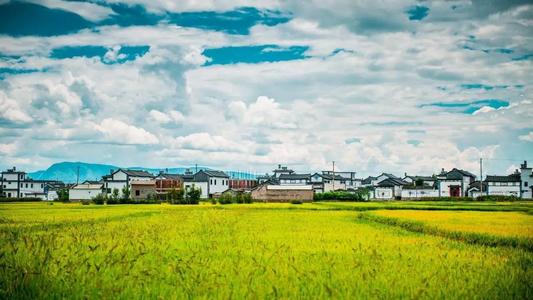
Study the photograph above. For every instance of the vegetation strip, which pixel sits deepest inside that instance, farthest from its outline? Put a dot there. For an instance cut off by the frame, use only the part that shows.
(333, 206)
(468, 237)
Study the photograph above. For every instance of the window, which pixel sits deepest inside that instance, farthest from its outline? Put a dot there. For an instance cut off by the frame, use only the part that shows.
(525, 183)
(210, 181)
(137, 193)
(41, 185)
(215, 182)
(32, 185)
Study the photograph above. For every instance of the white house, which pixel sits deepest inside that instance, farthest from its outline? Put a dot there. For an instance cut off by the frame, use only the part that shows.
(350, 181)
(369, 181)
(294, 179)
(120, 178)
(503, 185)
(418, 192)
(324, 182)
(389, 188)
(384, 176)
(15, 184)
(209, 181)
(526, 179)
(85, 191)
(454, 183)
(282, 170)
(425, 180)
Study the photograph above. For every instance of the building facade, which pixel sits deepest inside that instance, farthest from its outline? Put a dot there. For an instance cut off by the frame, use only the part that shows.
(280, 193)
(122, 178)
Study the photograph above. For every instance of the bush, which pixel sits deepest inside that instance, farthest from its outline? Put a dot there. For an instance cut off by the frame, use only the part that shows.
(100, 199)
(340, 196)
(496, 198)
(62, 195)
(296, 202)
(444, 199)
(175, 196)
(229, 198)
(192, 196)
(20, 200)
(247, 198)
(125, 198)
(226, 198)
(85, 202)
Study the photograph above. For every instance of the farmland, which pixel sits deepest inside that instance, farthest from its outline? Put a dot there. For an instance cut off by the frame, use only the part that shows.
(317, 250)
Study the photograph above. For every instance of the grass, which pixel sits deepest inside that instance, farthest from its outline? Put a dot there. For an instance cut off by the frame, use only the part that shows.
(241, 251)
(501, 224)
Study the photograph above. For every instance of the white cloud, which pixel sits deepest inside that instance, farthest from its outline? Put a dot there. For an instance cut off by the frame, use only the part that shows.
(527, 137)
(11, 111)
(89, 11)
(8, 148)
(116, 131)
(204, 141)
(265, 112)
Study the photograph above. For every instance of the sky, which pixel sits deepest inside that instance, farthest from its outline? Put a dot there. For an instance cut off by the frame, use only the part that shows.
(376, 86)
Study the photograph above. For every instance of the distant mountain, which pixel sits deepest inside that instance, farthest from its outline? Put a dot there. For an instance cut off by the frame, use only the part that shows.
(68, 171)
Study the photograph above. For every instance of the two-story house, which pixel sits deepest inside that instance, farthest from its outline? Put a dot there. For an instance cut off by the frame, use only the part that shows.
(121, 178)
(15, 184)
(211, 182)
(454, 183)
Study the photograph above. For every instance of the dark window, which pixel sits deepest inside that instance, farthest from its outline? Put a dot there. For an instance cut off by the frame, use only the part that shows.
(32, 185)
(525, 183)
(137, 193)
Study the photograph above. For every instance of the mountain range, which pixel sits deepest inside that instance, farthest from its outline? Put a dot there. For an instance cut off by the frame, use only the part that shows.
(68, 171)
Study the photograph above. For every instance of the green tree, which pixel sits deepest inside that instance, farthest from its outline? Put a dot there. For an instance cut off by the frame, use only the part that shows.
(62, 195)
(125, 195)
(192, 196)
(114, 198)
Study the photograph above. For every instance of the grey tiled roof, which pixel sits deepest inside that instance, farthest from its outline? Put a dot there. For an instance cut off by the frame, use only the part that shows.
(508, 178)
(294, 176)
(214, 173)
(137, 173)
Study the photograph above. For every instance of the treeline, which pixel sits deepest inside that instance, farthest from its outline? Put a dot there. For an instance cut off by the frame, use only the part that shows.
(229, 198)
(361, 195)
(191, 196)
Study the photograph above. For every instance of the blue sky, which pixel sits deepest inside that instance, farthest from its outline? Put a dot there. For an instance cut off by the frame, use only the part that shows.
(402, 86)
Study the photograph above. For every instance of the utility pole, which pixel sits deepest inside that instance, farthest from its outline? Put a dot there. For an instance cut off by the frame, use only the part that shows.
(78, 176)
(334, 176)
(481, 176)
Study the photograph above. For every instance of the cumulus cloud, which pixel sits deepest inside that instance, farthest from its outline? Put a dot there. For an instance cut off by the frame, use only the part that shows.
(204, 141)
(11, 112)
(172, 116)
(116, 131)
(357, 97)
(89, 11)
(264, 112)
(527, 137)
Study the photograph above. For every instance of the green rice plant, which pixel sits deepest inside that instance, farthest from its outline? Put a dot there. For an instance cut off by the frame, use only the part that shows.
(256, 251)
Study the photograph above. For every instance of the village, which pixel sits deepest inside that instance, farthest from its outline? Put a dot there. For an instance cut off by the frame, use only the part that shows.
(283, 185)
